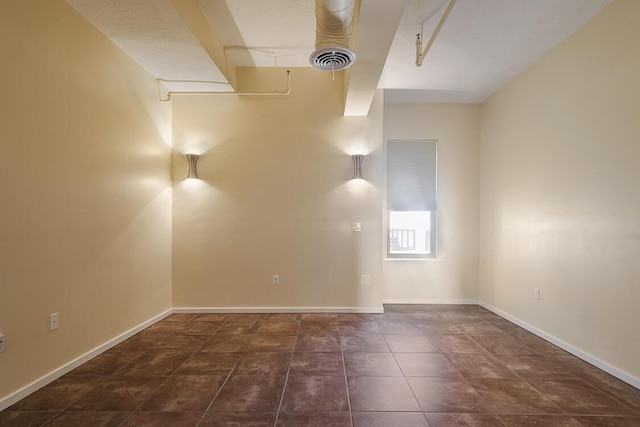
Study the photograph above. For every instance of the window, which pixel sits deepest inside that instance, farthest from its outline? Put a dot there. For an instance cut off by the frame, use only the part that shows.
(411, 198)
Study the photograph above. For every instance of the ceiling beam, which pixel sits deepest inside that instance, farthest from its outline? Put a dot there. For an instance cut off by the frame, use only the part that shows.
(376, 27)
(201, 29)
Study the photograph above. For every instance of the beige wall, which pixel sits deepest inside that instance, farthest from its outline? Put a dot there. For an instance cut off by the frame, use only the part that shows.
(453, 275)
(560, 195)
(85, 184)
(276, 197)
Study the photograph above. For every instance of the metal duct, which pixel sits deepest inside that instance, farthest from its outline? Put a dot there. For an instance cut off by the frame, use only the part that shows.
(334, 28)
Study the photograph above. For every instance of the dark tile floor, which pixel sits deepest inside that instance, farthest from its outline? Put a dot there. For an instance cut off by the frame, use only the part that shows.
(428, 365)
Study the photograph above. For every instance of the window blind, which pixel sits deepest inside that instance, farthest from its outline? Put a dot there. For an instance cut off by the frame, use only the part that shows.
(411, 175)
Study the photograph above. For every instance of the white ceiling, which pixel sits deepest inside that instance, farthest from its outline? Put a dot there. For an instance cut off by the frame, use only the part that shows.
(483, 44)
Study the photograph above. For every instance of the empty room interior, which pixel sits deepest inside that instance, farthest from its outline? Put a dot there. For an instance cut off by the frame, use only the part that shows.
(340, 212)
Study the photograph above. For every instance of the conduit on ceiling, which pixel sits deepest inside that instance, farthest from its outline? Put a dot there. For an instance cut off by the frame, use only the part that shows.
(334, 29)
(168, 95)
(420, 54)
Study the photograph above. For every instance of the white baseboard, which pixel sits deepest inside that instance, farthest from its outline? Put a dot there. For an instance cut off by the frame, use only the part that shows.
(430, 301)
(278, 310)
(618, 373)
(12, 398)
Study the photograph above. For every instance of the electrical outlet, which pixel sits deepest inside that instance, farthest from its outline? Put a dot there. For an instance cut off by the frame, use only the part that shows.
(365, 279)
(536, 294)
(1, 343)
(276, 279)
(53, 321)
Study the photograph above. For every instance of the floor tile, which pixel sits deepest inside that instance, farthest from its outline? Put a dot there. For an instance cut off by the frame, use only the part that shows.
(455, 315)
(503, 345)
(608, 421)
(354, 317)
(285, 316)
(263, 364)
(425, 365)
(359, 327)
(409, 343)
(319, 317)
(456, 344)
(371, 365)
(386, 419)
(210, 317)
(155, 419)
(226, 343)
(89, 419)
(513, 396)
(397, 327)
(59, 394)
(537, 367)
(10, 418)
(180, 341)
(156, 362)
(370, 343)
(256, 317)
(479, 366)
(447, 365)
(315, 393)
(313, 419)
(381, 394)
(250, 393)
(435, 328)
(602, 381)
(118, 394)
(317, 364)
(318, 342)
(209, 364)
(446, 395)
(199, 328)
(578, 397)
(271, 343)
(426, 315)
(480, 328)
(464, 420)
(274, 326)
(182, 317)
(539, 421)
(539, 345)
(238, 419)
(391, 315)
(184, 393)
(318, 328)
(107, 363)
(239, 327)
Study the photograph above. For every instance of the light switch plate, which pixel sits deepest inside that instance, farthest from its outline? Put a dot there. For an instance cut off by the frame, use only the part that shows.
(356, 226)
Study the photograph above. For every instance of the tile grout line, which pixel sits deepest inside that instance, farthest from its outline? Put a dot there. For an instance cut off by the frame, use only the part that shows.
(286, 380)
(168, 376)
(204, 414)
(346, 379)
(393, 354)
(494, 358)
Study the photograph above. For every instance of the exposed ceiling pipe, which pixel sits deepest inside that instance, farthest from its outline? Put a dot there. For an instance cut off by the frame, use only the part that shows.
(420, 54)
(167, 97)
(334, 30)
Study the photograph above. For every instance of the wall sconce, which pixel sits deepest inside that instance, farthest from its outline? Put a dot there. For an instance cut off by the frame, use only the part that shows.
(193, 166)
(357, 166)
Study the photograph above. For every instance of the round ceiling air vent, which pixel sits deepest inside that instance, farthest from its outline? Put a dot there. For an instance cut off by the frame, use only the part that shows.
(332, 58)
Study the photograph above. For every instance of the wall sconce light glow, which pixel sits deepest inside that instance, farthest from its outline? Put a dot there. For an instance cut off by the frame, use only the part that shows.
(192, 159)
(357, 166)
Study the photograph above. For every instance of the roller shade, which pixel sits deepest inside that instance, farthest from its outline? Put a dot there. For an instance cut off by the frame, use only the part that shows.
(411, 175)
